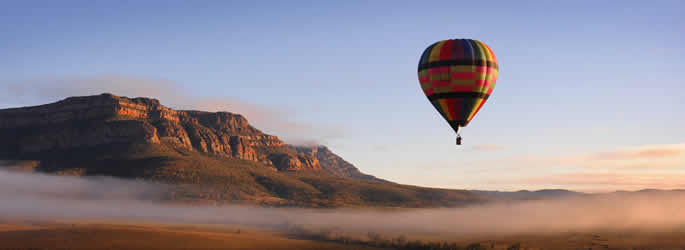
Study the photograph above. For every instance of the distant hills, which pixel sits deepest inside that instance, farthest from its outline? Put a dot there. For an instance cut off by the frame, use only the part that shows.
(528, 195)
(211, 157)
(208, 157)
(545, 194)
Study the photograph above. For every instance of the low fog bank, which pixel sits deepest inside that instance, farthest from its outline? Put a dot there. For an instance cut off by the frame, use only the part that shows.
(39, 196)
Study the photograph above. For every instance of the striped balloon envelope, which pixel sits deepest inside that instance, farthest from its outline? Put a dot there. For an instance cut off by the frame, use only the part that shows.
(458, 76)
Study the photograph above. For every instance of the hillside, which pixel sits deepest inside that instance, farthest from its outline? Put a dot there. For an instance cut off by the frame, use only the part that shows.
(209, 157)
(528, 195)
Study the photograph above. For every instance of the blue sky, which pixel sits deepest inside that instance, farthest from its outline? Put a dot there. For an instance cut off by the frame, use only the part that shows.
(577, 79)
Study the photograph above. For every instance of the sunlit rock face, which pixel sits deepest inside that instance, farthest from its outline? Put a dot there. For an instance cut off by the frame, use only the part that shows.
(87, 121)
(332, 163)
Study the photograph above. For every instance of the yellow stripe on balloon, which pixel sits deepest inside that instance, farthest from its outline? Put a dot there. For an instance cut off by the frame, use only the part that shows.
(426, 85)
(490, 57)
(462, 68)
(484, 55)
(480, 89)
(484, 49)
(435, 53)
(446, 109)
(475, 107)
(493, 57)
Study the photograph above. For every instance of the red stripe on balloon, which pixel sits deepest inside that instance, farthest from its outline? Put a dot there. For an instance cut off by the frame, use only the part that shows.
(468, 88)
(456, 107)
(446, 50)
(440, 83)
(424, 79)
(463, 75)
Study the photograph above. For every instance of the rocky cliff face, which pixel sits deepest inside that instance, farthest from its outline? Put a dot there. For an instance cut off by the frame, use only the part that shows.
(79, 122)
(334, 164)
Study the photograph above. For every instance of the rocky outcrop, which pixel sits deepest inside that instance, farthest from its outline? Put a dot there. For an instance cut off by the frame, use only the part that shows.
(81, 122)
(105, 106)
(333, 164)
(295, 162)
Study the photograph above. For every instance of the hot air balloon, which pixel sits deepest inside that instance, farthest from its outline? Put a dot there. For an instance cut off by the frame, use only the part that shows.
(458, 76)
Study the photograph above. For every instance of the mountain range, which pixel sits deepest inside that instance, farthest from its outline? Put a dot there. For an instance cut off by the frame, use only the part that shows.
(208, 156)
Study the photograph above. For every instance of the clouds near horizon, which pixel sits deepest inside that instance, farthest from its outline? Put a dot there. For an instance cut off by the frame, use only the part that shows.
(626, 168)
(608, 158)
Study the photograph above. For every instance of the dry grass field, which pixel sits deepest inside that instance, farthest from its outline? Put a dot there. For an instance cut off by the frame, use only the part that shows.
(580, 240)
(149, 235)
(126, 235)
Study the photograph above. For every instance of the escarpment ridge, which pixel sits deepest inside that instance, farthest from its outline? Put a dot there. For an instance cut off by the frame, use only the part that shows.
(205, 157)
(87, 121)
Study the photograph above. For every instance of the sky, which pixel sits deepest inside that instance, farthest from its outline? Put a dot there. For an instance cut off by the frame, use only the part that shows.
(588, 96)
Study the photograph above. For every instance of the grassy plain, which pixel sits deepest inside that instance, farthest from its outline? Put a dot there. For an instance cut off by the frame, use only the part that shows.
(17, 234)
(129, 235)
